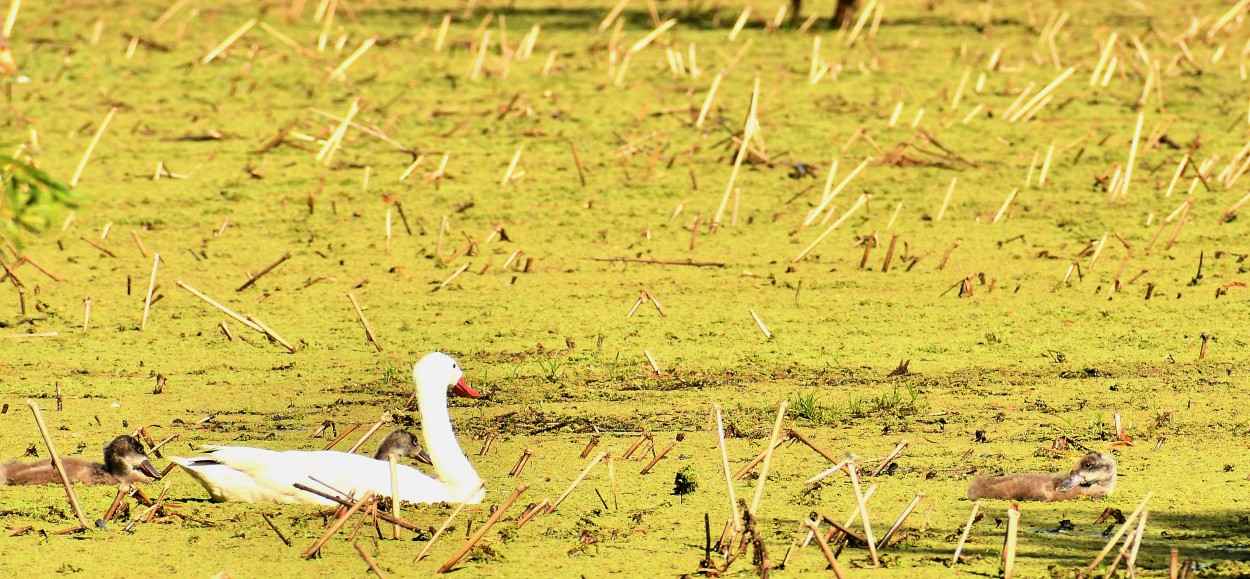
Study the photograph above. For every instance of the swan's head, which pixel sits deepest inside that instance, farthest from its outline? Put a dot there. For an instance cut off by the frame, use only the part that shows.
(438, 371)
(124, 454)
(1096, 469)
(399, 444)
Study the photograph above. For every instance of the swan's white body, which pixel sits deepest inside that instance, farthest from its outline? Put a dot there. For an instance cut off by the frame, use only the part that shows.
(256, 475)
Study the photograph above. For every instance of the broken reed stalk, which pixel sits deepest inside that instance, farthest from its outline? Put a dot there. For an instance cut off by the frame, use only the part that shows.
(768, 457)
(863, 510)
(450, 277)
(1231, 210)
(889, 252)
(724, 458)
(758, 459)
(394, 464)
(386, 417)
(1132, 157)
(824, 548)
(326, 154)
(963, 538)
(341, 436)
(122, 490)
(530, 514)
(1042, 94)
(220, 307)
(577, 160)
(1009, 544)
(1006, 205)
(612, 480)
(11, 19)
(828, 196)
(760, 323)
(95, 140)
(748, 131)
(337, 73)
(101, 248)
(1180, 222)
(651, 36)
(835, 468)
(863, 199)
(1131, 562)
(481, 532)
(646, 434)
(272, 334)
(147, 301)
(885, 539)
(576, 481)
(336, 525)
(56, 462)
(447, 523)
(707, 102)
(658, 456)
(156, 505)
(361, 316)
(520, 464)
(812, 445)
(346, 503)
(902, 445)
(135, 235)
(1119, 533)
(220, 48)
(369, 560)
(1041, 180)
(855, 514)
(507, 176)
(264, 271)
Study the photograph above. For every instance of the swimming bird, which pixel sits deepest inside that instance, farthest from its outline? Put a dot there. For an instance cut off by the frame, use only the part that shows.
(226, 484)
(124, 461)
(256, 475)
(1093, 476)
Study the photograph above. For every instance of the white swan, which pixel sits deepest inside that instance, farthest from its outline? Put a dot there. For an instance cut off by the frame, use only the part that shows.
(245, 474)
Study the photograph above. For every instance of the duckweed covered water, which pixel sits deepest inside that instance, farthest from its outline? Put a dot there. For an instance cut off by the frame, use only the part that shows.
(1006, 352)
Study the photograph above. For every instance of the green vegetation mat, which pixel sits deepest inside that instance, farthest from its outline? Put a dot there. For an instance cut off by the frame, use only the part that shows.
(560, 236)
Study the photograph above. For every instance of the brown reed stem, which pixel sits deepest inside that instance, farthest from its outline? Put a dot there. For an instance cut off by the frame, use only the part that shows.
(60, 468)
(336, 525)
(1119, 533)
(824, 548)
(361, 316)
(481, 532)
(261, 273)
(386, 417)
(656, 459)
(576, 481)
(369, 560)
(758, 459)
(447, 523)
(341, 436)
(1009, 544)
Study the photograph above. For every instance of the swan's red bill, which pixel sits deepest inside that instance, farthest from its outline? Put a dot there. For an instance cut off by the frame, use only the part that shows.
(462, 389)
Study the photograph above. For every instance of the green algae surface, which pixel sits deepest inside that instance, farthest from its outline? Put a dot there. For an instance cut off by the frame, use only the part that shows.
(1008, 346)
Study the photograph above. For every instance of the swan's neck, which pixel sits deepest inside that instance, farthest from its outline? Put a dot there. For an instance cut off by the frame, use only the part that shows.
(452, 466)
